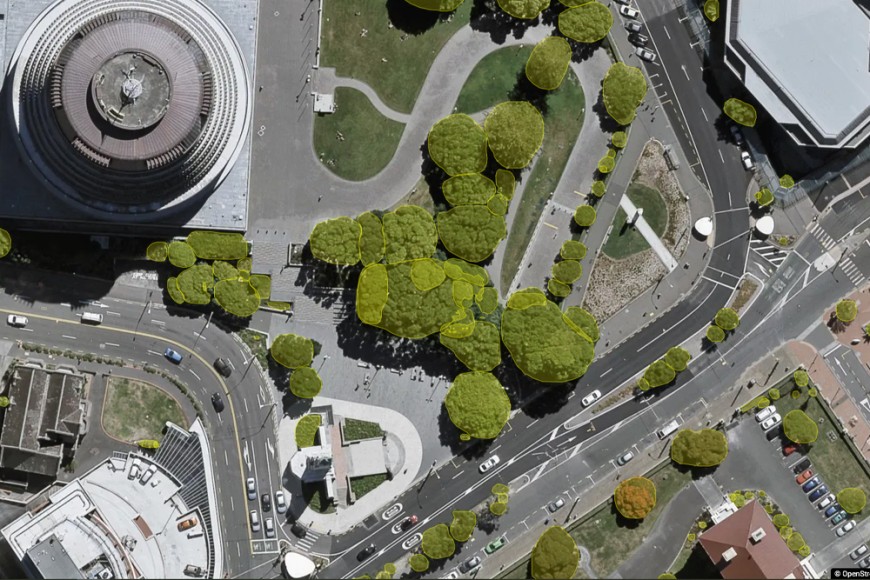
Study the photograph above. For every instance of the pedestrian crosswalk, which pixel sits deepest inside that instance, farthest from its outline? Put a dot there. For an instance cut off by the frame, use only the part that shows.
(822, 236)
(770, 253)
(308, 541)
(851, 270)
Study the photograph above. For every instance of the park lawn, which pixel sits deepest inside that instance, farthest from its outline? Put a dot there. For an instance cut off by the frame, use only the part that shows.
(409, 54)
(362, 485)
(626, 241)
(135, 410)
(369, 138)
(354, 430)
(493, 79)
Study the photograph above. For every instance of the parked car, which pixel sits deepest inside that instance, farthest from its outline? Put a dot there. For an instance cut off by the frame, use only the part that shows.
(148, 474)
(638, 39)
(633, 26)
(800, 479)
(841, 515)
(495, 545)
(191, 570)
(172, 355)
(16, 321)
(765, 413)
(453, 575)
(822, 490)
(266, 502)
(802, 465)
(825, 502)
(811, 484)
(299, 530)
(280, 502)
(748, 163)
(789, 449)
(591, 398)
(737, 134)
(625, 458)
(366, 552)
(771, 421)
(187, 524)
(217, 402)
(469, 565)
(865, 563)
(832, 510)
(252, 488)
(489, 463)
(629, 12)
(773, 433)
(222, 366)
(846, 528)
(859, 551)
(554, 506)
(255, 521)
(135, 470)
(626, 2)
(645, 54)
(270, 528)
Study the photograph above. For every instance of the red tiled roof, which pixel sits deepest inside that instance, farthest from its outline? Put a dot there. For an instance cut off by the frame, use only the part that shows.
(768, 558)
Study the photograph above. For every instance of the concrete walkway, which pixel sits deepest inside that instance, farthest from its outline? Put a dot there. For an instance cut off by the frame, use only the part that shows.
(391, 422)
(648, 234)
(328, 81)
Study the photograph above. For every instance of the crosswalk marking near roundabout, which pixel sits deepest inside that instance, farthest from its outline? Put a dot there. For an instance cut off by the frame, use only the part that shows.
(772, 254)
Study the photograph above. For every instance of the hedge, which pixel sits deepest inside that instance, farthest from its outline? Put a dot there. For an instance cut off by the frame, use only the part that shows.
(711, 10)
(471, 232)
(498, 508)
(846, 310)
(225, 271)
(567, 271)
(156, 252)
(795, 542)
(478, 405)
(715, 334)
(799, 427)
(584, 216)
(786, 181)
(524, 9)
(306, 430)
(635, 498)
(704, 448)
(410, 233)
(555, 555)
(852, 499)
(505, 184)
(659, 374)
(468, 189)
(217, 245)
(549, 62)
(764, 197)
(599, 188)
(582, 321)
(515, 132)
(292, 351)
(801, 378)
(336, 241)
(462, 525)
(181, 255)
(196, 283)
(457, 144)
(558, 289)
(587, 23)
(305, 383)
(773, 394)
(740, 112)
(238, 297)
(623, 89)
(677, 358)
(479, 351)
(371, 241)
(419, 563)
(572, 250)
(437, 542)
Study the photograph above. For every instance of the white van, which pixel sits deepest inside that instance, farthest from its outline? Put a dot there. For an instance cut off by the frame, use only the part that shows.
(668, 429)
(92, 318)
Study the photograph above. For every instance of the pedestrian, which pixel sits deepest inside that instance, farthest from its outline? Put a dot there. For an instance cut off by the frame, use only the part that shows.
(261, 88)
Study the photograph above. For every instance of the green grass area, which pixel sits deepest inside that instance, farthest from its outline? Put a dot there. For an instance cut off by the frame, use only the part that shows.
(835, 461)
(135, 410)
(493, 79)
(354, 430)
(362, 485)
(626, 241)
(256, 341)
(409, 46)
(314, 495)
(356, 142)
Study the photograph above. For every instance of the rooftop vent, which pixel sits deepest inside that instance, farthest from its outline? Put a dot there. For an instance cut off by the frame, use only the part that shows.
(758, 535)
(729, 554)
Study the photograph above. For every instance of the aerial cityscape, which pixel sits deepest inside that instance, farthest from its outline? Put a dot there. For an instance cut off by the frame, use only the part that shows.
(516, 289)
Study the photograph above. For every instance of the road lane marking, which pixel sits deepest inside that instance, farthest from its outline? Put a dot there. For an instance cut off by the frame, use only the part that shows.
(68, 336)
(605, 372)
(194, 374)
(112, 344)
(158, 322)
(722, 157)
(458, 474)
(703, 112)
(113, 313)
(666, 32)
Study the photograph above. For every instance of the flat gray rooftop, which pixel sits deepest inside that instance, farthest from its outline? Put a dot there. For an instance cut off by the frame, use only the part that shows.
(818, 53)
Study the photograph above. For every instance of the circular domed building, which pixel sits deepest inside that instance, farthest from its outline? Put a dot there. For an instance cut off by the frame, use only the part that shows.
(130, 109)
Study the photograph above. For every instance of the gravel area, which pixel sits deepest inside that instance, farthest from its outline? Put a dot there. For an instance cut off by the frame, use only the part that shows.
(652, 171)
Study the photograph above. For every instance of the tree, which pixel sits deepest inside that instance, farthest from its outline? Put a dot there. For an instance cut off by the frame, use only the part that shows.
(238, 297)
(572, 250)
(727, 319)
(437, 542)
(471, 232)
(479, 351)
(196, 283)
(801, 378)
(457, 144)
(549, 62)
(764, 197)
(567, 271)
(852, 499)
(677, 358)
(598, 188)
(181, 254)
(306, 430)
(156, 251)
(606, 164)
(781, 520)
(468, 189)
(773, 394)
(419, 563)
(555, 555)
(846, 311)
(523, 9)
(704, 448)
(478, 405)
(558, 288)
(786, 181)
(305, 383)
(582, 322)
(740, 112)
(635, 498)
(462, 525)
(715, 334)
(371, 242)
(623, 89)
(659, 374)
(410, 233)
(292, 351)
(209, 245)
(505, 184)
(515, 132)
(584, 216)
(589, 22)
(711, 10)
(799, 427)
(619, 139)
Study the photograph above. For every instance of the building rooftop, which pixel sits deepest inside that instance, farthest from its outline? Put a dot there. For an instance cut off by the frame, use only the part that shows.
(807, 63)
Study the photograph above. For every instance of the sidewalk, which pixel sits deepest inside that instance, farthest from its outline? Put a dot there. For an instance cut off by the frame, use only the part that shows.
(648, 234)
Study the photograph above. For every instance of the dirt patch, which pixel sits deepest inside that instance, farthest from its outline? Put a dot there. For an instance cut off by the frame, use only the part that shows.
(135, 410)
(615, 283)
(744, 292)
(652, 171)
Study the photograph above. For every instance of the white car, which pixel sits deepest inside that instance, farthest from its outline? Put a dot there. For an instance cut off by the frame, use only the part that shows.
(748, 163)
(846, 528)
(134, 469)
(591, 397)
(252, 488)
(255, 521)
(15, 320)
(768, 423)
(625, 458)
(765, 413)
(148, 474)
(826, 502)
(629, 12)
(280, 502)
(860, 551)
(633, 26)
(489, 463)
(270, 528)
(626, 2)
(645, 54)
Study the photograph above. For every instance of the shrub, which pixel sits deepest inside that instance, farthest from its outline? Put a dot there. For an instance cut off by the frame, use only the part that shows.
(780, 520)
(704, 448)
(555, 555)
(306, 430)
(739, 501)
(748, 495)
(217, 245)
(181, 255)
(237, 297)
(457, 144)
(727, 319)
(515, 132)
(702, 525)
(305, 383)
(799, 427)
(635, 497)
(584, 216)
(558, 289)
(582, 322)
(371, 241)
(773, 394)
(336, 241)
(795, 393)
(225, 271)
(195, 284)
(801, 378)
(606, 164)
(619, 139)
(478, 405)
(659, 374)
(572, 250)
(410, 233)
(549, 62)
(498, 508)
(763, 403)
(148, 444)
(677, 358)
(804, 551)
(846, 310)
(174, 291)
(462, 525)
(524, 9)
(795, 542)
(437, 542)
(740, 112)
(813, 392)
(498, 205)
(589, 22)
(419, 563)
(487, 300)
(691, 538)
(468, 189)
(567, 271)
(667, 576)
(156, 252)
(786, 532)
(852, 499)
(623, 89)
(786, 181)
(292, 351)
(505, 184)
(598, 188)
(471, 232)
(711, 10)
(764, 197)
(5, 243)
(715, 334)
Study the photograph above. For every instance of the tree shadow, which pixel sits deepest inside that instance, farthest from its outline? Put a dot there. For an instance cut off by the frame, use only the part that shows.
(524, 90)
(607, 123)
(581, 51)
(488, 17)
(325, 283)
(434, 177)
(835, 324)
(698, 565)
(410, 19)
(622, 521)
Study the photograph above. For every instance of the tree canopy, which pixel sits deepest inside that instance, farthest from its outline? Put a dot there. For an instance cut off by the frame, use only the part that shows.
(371, 241)
(419, 563)
(764, 197)
(208, 245)
(572, 250)
(677, 358)
(478, 405)
(292, 351)
(623, 89)
(180, 254)
(801, 378)
(438, 543)
(505, 184)
(584, 216)
(471, 232)
(524, 9)
(468, 189)
(583, 321)
(589, 22)
(479, 351)
(305, 383)
(558, 288)
(852, 499)
(306, 430)
(555, 555)
(799, 427)
(704, 448)
(846, 310)
(463, 525)
(740, 112)
(410, 233)
(659, 374)
(549, 62)
(436, 5)
(635, 498)
(727, 319)
(567, 271)
(457, 144)
(711, 10)
(515, 131)
(715, 334)
(238, 297)
(336, 241)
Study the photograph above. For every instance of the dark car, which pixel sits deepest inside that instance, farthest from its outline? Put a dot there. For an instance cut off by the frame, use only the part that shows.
(266, 502)
(409, 522)
(217, 402)
(366, 552)
(469, 564)
(822, 490)
(811, 484)
(638, 39)
(222, 366)
(832, 510)
(774, 433)
(299, 530)
(802, 465)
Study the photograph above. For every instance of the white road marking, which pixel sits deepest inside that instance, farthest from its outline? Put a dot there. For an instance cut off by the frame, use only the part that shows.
(605, 372)
(194, 374)
(723, 161)
(666, 32)
(68, 336)
(703, 112)
(113, 313)
(112, 344)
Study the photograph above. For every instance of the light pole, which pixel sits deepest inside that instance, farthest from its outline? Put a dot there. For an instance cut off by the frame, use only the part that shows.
(207, 322)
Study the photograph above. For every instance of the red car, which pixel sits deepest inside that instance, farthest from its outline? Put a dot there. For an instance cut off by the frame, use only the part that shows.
(789, 449)
(804, 476)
